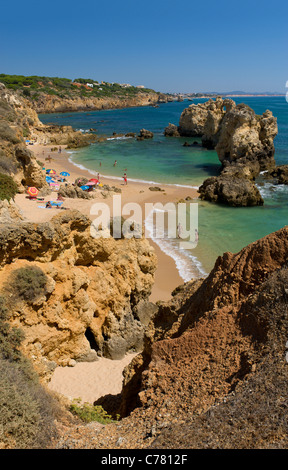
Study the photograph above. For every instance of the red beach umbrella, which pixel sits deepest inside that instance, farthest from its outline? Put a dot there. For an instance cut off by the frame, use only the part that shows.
(94, 180)
(32, 191)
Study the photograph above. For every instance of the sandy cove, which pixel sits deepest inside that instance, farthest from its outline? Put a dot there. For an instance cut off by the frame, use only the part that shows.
(90, 381)
(167, 276)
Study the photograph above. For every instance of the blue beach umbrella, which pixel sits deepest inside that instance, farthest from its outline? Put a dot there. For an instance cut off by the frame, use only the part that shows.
(64, 173)
(84, 187)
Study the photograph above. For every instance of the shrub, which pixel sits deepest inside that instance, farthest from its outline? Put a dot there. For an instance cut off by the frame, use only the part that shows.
(27, 410)
(87, 412)
(26, 132)
(8, 187)
(10, 337)
(26, 418)
(8, 134)
(27, 283)
(7, 165)
(26, 92)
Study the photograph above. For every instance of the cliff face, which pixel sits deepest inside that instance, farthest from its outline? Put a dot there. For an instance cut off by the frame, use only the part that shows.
(54, 104)
(88, 303)
(15, 159)
(20, 122)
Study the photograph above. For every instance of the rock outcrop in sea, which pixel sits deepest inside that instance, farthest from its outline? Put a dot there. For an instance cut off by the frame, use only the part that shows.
(243, 140)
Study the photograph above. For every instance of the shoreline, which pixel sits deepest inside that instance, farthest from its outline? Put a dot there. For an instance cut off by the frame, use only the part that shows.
(167, 276)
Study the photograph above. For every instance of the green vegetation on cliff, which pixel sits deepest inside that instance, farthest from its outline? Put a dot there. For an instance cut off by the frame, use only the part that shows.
(8, 187)
(33, 86)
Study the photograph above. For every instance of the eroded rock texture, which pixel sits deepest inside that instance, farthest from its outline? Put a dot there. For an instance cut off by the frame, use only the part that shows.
(89, 303)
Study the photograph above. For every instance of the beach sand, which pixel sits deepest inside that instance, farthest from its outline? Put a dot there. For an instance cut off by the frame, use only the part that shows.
(90, 381)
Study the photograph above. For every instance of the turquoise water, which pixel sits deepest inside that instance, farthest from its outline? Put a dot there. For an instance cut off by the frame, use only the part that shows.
(166, 160)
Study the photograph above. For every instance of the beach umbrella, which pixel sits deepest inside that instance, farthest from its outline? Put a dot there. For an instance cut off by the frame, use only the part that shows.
(94, 180)
(32, 191)
(64, 173)
(48, 178)
(85, 187)
(50, 172)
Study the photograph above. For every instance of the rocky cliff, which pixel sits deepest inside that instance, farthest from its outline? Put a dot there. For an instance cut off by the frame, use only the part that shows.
(20, 122)
(213, 372)
(54, 104)
(243, 141)
(86, 303)
(16, 159)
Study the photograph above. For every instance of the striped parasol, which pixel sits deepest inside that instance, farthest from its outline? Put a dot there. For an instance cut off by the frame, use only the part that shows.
(33, 192)
(50, 172)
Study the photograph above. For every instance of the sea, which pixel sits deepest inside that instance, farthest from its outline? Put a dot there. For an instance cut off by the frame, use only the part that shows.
(165, 160)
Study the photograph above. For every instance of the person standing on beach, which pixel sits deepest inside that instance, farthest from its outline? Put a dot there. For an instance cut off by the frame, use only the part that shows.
(125, 178)
(98, 177)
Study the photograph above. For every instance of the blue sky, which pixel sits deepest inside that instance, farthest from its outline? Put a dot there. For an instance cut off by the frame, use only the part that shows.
(182, 46)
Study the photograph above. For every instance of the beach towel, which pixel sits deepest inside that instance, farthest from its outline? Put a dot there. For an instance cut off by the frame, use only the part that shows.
(56, 204)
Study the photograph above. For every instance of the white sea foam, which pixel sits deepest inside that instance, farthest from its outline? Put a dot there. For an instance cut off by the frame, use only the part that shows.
(267, 189)
(84, 131)
(124, 137)
(188, 266)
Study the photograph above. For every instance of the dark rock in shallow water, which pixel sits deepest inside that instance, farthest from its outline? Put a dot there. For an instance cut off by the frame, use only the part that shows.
(155, 188)
(171, 131)
(232, 191)
(144, 134)
(280, 173)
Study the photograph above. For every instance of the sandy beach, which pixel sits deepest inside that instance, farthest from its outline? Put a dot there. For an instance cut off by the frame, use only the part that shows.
(90, 380)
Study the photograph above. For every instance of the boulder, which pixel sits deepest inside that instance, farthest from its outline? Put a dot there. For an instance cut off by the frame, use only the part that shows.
(236, 192)
(145, 134)
(171, 131)
(279, 173)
